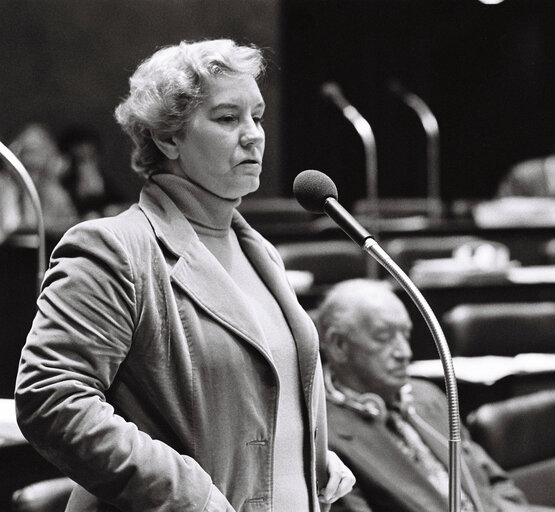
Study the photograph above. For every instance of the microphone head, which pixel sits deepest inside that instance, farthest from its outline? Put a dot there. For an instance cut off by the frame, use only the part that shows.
(396, 87)
(333, 92)
(312, 188)
(330, 90)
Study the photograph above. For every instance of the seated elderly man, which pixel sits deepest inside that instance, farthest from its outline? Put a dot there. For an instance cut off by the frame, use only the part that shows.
(389, 429)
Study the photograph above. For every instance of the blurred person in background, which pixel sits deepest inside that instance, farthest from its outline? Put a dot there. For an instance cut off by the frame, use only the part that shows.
(530, 178)
(36, 148)
(170, 366)
(83, 177)
(10, 214)
(392, 431)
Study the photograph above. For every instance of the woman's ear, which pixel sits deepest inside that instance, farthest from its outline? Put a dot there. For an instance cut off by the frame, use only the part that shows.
(166, 145)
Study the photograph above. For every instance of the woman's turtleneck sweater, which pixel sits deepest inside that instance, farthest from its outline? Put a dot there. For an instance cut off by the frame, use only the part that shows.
(210, 216)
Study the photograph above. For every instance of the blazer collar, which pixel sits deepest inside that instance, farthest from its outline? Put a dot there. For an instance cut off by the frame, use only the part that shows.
(199, 274)
(268, 264)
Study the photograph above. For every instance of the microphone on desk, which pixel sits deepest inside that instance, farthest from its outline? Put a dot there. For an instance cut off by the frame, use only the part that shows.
(316, 192)
(333, 92)
(431, 129)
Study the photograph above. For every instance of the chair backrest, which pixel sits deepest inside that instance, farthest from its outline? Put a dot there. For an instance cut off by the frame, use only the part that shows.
(264, 210)
(330, 261)
(391, 207)
(503, 329)
(44, 496)
(519, 435)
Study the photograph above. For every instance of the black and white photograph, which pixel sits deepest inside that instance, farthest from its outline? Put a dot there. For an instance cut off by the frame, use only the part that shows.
(277, 255)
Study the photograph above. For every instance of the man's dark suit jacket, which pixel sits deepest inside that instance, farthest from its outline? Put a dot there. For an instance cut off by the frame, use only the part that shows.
(388, 482)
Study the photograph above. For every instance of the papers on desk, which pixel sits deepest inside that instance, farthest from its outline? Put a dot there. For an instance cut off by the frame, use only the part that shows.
(486, 369)
(477, 262)
(9, 431)
(450, 272)
(532, 274)
(515, 212)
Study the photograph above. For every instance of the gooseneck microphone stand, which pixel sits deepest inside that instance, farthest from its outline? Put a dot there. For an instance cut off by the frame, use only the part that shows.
(316, 192)
(372, 247)
(26, 182)
(332, 91)
(431, 129)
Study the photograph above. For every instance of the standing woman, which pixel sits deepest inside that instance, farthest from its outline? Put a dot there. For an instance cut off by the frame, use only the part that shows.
(170, 366)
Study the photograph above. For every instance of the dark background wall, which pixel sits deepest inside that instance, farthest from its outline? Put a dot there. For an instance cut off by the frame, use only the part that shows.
(486, 71)
(68, 61)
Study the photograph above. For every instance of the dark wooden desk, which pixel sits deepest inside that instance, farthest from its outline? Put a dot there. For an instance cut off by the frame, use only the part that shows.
(18, 266)
(20, 464)
(525, 243)
(18, 293)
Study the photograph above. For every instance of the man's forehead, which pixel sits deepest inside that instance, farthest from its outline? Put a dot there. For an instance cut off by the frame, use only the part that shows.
(384, 312)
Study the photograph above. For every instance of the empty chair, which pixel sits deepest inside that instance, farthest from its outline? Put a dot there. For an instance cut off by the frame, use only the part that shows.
(518, 434)
(329, 261)
(502, 329)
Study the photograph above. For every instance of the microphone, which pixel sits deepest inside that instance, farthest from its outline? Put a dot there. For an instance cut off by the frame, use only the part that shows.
(316, 192)
(431, 130)
(333, 92)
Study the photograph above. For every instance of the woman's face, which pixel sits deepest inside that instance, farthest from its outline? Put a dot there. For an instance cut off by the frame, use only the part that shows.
(222, 147)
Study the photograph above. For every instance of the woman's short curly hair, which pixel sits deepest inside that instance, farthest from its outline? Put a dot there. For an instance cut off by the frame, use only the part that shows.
(168, 86)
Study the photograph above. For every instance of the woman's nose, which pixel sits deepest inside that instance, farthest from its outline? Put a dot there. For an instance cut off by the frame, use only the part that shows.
(252, 134)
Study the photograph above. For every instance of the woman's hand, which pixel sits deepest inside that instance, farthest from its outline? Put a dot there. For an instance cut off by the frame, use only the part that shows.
(340, 481)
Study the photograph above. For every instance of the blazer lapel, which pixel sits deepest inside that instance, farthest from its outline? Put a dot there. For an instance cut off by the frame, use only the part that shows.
(272, 273)
(197, 272)
(201, 276)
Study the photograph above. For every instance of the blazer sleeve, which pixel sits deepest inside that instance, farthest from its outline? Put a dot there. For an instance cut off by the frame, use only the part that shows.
(82, 332)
